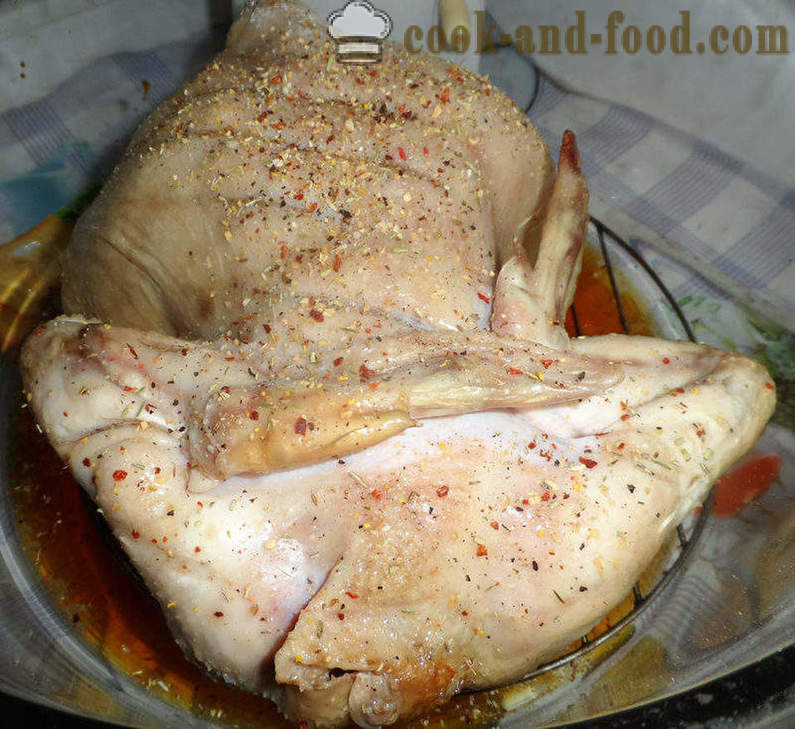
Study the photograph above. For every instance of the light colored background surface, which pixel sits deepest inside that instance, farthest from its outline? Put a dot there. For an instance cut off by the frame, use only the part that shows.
(744, 104)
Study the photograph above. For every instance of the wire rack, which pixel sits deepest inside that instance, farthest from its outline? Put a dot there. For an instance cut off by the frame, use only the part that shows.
(675, 552)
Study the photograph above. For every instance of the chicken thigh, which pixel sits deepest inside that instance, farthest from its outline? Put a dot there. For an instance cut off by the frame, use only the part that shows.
(361, 471)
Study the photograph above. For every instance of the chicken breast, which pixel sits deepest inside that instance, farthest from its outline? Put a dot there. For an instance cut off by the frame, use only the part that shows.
(361, 471)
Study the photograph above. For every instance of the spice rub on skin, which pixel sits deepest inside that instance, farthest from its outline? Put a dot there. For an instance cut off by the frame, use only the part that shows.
(360, 475)
(444, 599)
(319, 182)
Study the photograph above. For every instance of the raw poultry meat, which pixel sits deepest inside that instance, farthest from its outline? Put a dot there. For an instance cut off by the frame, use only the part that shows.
(360, 470)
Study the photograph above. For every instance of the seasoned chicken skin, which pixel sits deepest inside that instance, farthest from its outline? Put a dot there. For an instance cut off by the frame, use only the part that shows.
(278, 177)
(359, 469)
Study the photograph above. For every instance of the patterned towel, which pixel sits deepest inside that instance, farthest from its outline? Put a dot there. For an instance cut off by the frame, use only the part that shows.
(703, 201)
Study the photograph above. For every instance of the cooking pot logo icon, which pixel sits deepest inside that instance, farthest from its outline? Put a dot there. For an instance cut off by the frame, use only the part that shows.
(359, 30)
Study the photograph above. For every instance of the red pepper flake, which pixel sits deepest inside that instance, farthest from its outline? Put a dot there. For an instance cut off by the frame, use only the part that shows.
(626, 416)
(494, 525)
(65, 414)
(482, 551)
(514, 371)
(545, 496)
(588, 462)
(316, 315)
(300, 426)
(253, 415)
(127, 388)
(352, 595)
(621, 446)
(225, 389)
(425, 151)
(119, 475)
(262, 117)
(87, 462)
(769, 386)
(136, 534)
(402, 153)
(531, 446)
(184, 351)
(442, 491)
(483, 297)
(276, 80)
(365, 372)
(278, 125)
(218, 614)
(341, 616)
(298, 196)
(283, 251)
(546, 363)
(375, 493)
(197, 549)
(337, 263)
(38, 331)
(229, 359)
(445, 97)
(132, 351)
(338, 361)
(666, 360)
(267, 328)
(452, 71)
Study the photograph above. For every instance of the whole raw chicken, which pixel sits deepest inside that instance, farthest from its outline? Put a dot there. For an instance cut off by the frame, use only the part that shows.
(359, 469)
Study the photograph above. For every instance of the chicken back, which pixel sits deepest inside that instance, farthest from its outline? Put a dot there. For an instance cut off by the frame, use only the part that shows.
(360, 469)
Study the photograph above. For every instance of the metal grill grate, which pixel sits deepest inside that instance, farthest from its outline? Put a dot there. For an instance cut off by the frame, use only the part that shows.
(677, 549)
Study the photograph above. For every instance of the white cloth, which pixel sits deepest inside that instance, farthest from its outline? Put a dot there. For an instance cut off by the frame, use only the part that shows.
(743, 104)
